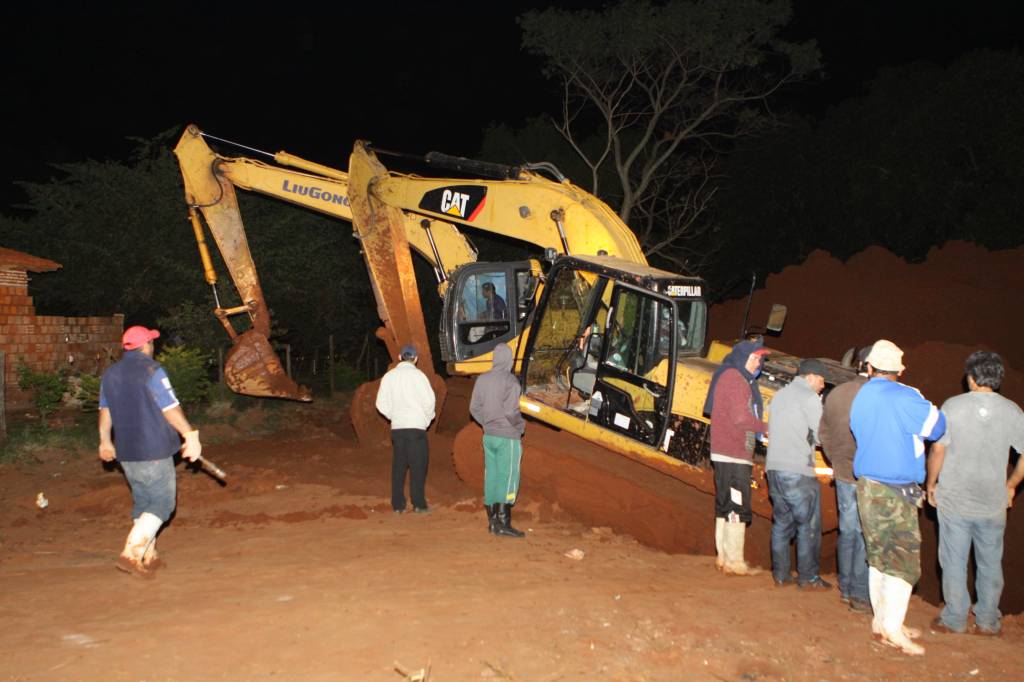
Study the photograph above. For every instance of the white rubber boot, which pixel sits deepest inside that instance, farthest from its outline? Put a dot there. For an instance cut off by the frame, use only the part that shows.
(733, 540)
(897, 599)
(151, 560)
(142, 535)
(875, 580)
(719, 543)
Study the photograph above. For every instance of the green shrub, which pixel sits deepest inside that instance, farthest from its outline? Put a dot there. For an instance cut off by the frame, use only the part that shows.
(186, 368)
(47, 389)
(84, 392)
(26, 441)
(347, 377)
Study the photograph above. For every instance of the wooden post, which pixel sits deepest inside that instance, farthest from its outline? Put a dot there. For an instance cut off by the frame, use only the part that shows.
(330, 361)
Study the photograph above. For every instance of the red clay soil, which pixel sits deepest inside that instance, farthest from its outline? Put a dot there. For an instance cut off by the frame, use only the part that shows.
(962, 298)
(298, 570)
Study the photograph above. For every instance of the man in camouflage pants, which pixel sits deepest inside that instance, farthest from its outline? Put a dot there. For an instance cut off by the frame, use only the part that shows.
(890, 422)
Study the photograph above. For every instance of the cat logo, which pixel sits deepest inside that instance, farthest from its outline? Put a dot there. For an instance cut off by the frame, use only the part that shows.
(463, 202)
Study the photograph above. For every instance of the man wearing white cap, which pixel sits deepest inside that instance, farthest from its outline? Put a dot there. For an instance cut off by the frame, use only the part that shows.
(407, 400)
(139, 410)
(891, 422)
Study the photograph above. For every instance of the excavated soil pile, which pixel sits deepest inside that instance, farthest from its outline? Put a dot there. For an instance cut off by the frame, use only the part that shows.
(960, 299)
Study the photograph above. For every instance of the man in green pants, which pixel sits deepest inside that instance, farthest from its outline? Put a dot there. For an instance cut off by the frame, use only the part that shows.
(495, 405)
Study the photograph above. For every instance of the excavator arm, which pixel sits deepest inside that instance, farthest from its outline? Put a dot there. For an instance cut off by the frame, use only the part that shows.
(391, 214)
(252, 367)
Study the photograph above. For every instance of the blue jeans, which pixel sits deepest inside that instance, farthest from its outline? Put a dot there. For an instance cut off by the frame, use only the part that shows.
(956, 533)
(154, 487)
(796, 512)
(851, 555)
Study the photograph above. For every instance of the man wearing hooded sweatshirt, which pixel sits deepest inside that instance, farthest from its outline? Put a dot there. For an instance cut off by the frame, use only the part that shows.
(735, 406)
(495, 406)
(138, 408)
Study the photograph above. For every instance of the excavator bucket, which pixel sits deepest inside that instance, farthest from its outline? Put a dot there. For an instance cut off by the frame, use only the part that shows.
(253, 368)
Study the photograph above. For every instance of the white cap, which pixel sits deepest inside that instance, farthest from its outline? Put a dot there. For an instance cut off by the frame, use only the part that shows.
(886, 356)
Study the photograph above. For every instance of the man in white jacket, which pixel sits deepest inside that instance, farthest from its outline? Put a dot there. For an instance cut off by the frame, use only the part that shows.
(407, 400)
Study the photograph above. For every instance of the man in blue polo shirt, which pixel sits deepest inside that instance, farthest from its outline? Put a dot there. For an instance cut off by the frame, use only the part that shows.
(138, 410)
(891, 422)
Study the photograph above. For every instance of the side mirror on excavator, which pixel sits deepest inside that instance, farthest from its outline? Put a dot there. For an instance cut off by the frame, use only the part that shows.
(776, 318)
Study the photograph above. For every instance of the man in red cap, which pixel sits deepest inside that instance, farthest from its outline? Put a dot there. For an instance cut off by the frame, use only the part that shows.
(138, 405)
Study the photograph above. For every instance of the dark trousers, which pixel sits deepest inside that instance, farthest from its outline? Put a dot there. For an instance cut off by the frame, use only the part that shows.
(409, 451)
(732, 491)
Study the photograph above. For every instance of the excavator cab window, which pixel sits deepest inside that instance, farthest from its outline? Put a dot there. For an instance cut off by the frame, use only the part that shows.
(487, 304)
(601, 350)
(631, 392)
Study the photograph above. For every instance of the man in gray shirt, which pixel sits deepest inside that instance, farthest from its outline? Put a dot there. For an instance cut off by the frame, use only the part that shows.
(967, 484)
(796, 506)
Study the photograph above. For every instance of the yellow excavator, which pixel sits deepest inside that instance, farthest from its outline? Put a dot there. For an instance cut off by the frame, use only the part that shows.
(607, 347)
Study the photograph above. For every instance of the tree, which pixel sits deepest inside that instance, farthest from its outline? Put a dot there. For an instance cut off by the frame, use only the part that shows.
(653, 93)
(929, 153)
(120, 230)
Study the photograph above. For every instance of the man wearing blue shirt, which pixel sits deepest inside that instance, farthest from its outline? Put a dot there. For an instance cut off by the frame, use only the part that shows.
(138, 410)
(891, 421)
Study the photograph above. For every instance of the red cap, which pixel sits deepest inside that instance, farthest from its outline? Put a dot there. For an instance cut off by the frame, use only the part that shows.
(137, 337)
(762, 351)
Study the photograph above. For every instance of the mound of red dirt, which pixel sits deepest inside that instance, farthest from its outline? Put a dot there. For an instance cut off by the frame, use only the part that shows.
(960, 299)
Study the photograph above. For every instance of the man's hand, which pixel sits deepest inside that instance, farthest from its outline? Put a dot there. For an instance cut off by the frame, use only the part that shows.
(1011, 492)
(193, 448)
(931, 495)
(108, 453)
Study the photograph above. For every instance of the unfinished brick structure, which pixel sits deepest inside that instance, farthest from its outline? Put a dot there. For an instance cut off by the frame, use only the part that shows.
(47, 343)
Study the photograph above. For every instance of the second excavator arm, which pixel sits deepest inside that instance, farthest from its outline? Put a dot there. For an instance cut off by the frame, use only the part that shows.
(391, 214)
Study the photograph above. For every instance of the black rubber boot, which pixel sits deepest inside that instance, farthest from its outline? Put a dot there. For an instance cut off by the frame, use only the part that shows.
(504, 526)
(492, 518)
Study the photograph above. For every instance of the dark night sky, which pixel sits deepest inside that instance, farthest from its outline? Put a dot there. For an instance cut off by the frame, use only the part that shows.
(310, 81)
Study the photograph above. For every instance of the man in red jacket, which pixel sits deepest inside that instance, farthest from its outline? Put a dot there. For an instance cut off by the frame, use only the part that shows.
(736, 409)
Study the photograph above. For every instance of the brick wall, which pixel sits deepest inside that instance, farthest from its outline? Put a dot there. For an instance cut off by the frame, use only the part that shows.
(47, 343)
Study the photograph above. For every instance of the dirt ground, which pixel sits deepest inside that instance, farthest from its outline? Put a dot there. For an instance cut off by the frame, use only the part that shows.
(298, 570)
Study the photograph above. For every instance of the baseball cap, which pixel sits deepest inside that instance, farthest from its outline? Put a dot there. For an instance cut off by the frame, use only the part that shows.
(408, 351)
(812, 366)
(886, 356)
(137, 337)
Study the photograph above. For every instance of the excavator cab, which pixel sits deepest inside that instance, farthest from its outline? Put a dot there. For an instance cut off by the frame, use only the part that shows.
(486, 304)
(605, 340)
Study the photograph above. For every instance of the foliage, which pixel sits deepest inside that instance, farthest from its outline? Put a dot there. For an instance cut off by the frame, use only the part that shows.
(193, 325)
(187, 370)
(928, 154)
(347, 377)
(47, 389)
(84, 392)
(120, 231)
(25, 440)
(655, 92)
